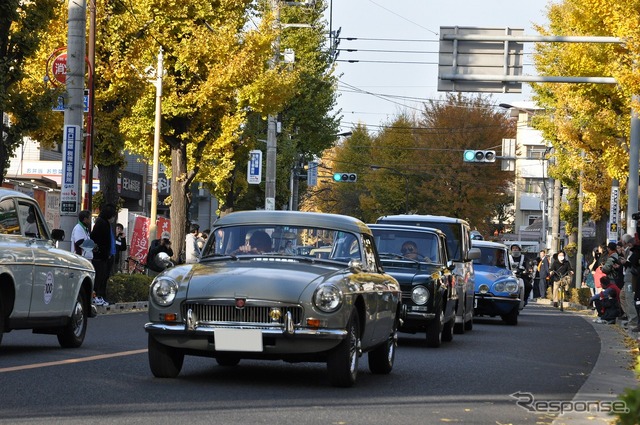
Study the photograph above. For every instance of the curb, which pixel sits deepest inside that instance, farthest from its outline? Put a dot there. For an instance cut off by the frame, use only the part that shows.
(123, 307)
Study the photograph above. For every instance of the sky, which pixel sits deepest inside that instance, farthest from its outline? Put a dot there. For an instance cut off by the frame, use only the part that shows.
(395, 32)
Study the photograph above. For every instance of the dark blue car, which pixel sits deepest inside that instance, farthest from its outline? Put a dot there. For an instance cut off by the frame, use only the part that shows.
(498, 292)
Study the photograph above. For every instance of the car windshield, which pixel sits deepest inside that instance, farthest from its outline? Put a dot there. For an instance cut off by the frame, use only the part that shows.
(421, 246)
(453, 231)
(311, 242)
(491, 256)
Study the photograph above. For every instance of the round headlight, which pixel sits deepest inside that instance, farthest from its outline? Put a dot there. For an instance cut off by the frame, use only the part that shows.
(512, 287)
(327, 298)
(483, 289)
(420, 295)
(498, 287)
(163, 291)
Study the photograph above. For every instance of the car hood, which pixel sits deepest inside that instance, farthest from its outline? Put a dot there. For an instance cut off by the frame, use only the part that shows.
(412, 275)
(266, 279)
(490, 274)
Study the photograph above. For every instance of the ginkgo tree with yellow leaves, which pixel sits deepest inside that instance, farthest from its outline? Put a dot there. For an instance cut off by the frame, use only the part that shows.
(216, 58)
(589, 118)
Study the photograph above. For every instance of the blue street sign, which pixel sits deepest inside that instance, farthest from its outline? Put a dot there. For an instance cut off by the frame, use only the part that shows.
(254, 167)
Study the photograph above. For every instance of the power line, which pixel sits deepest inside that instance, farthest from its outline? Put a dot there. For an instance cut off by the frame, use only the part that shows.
(402, 17)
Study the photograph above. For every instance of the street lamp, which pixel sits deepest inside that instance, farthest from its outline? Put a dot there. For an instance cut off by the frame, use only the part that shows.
(406, 183)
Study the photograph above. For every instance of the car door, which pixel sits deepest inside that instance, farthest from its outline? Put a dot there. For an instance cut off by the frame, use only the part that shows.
(16, 257)
(52, 287)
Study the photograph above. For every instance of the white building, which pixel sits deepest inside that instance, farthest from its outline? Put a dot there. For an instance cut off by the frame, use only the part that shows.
(533, 189)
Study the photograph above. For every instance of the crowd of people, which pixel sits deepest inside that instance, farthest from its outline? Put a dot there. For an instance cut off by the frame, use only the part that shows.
(610, 272)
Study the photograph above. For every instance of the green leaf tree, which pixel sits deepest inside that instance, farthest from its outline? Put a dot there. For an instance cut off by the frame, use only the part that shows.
(22, 25)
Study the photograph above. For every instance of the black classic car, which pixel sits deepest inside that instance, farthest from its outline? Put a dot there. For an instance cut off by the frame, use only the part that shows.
(418, 258)
(460, 252)
(254, 295)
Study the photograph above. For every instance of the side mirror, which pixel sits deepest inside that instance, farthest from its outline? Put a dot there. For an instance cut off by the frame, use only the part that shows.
(57, 235)
(474, 254)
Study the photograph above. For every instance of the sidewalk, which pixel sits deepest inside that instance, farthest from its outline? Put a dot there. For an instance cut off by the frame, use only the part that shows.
(611, 374)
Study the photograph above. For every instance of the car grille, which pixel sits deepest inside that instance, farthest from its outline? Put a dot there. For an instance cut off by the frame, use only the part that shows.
(249, 314)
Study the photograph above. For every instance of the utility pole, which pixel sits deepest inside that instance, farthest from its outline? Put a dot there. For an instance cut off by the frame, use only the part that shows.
(270, 185)
(634, 159)
(156, 150)
(579, 253)
(73, 114)
(555, 218)
(88, 159)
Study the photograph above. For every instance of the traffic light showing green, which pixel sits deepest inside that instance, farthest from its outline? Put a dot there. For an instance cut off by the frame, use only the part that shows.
(479, 156)
(345, 177)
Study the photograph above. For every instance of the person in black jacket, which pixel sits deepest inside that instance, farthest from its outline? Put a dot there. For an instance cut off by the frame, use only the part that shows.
(104, 253)
(157, 246)
(559, 270)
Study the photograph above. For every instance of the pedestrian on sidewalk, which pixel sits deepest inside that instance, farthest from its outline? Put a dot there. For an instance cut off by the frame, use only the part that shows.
(121, 246)
(104, 254)
(81, 233)
(606, 302)
(543, 273)
(159, 245)
(192, 252)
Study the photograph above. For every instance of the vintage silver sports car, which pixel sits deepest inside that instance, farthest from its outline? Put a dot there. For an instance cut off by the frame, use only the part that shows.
(253, 296)
(41, 287)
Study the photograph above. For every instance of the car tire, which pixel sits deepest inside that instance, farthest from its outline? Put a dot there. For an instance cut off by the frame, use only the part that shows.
(164, 361)
(72, 334)
(511, 318)
(434, 330)
(381, 358)
(447, 330)
(227, 360)
(1, 320)
(468, 325)
(342, 362)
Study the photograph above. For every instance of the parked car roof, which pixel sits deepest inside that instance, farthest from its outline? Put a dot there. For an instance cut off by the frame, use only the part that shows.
(422, 217)
(4, 192)
(488, 244)
(294, 218)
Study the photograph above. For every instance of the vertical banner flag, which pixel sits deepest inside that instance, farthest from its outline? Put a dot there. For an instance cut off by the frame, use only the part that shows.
(613, 214)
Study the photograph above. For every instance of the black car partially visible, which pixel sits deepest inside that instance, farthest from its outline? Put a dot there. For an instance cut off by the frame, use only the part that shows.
(417, 257)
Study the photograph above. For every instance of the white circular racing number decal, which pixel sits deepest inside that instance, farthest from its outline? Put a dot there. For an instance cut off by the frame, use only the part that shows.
(48, 288)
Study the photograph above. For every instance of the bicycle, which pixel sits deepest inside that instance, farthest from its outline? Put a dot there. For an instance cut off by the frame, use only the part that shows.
(563, 286)
(134, 266)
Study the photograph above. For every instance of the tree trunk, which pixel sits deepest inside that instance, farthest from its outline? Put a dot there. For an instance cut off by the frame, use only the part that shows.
(108, 184)
(180, 201)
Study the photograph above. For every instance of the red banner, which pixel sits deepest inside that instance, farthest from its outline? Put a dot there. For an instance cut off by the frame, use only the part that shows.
(139, 246)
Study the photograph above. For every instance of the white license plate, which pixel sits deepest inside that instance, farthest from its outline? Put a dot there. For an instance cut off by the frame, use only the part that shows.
(238, 340)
